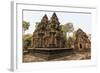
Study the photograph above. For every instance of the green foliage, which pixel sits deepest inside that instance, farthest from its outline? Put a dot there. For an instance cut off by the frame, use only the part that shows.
(27, 41)
(26, 25)
(68, 27)
(70, 42)
(74, 35)
(63, 30)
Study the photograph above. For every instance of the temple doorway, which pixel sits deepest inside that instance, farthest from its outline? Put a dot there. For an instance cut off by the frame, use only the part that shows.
(80, 45)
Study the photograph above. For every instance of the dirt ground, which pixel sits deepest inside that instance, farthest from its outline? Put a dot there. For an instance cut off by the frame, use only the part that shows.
(38, 57)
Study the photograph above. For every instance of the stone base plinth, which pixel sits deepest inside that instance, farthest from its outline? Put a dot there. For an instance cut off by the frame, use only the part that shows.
(50, 54)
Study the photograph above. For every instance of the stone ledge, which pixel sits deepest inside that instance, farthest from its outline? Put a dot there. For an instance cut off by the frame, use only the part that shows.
(48, 48)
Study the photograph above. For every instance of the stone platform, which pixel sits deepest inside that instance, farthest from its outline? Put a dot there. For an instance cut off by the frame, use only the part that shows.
(50, 53)
(48, 49)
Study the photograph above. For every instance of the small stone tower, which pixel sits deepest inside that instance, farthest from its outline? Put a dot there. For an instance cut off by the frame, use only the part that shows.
(48, 34)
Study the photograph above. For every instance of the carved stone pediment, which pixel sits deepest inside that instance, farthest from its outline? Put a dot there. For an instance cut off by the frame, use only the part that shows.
(49, 33)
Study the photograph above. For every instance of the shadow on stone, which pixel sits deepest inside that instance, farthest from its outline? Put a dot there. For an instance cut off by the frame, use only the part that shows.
(52, 54)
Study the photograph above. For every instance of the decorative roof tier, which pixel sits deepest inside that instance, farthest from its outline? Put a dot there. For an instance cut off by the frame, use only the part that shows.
(49, 33)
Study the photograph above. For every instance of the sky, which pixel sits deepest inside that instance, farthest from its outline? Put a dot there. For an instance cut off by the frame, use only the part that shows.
(79, 20)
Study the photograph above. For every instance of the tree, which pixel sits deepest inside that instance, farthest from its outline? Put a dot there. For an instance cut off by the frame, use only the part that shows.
(27, 40)
(74, 35)
(25, 25)
(70, 42)
(63, 29)
(68, 28)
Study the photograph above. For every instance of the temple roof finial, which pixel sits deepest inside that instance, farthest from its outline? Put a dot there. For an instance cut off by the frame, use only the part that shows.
(45, 18)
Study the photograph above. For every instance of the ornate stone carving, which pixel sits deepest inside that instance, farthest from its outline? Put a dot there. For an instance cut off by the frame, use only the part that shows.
(48, 34)
(82, 41)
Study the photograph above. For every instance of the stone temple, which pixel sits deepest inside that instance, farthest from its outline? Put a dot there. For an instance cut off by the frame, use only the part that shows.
(82, 41)
(48, 34)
